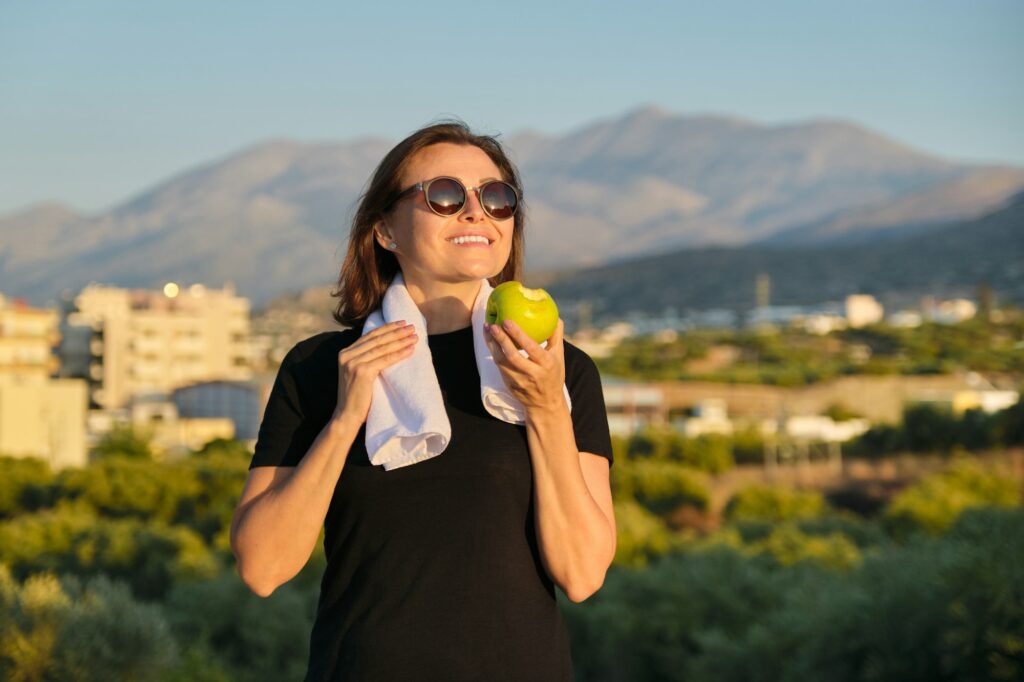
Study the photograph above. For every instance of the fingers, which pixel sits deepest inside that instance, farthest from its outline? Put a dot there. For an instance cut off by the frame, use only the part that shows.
(522, 339)
(555, 342)
(388, 335)
(402, 342)
(386, 359)
(509, 349)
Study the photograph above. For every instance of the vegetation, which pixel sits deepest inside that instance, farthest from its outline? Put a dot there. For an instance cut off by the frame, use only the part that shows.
(122, 571)
(794, 357)
(949, 608)
(933, 429)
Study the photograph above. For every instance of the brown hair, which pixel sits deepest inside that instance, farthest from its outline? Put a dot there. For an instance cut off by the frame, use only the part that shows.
(368, 269)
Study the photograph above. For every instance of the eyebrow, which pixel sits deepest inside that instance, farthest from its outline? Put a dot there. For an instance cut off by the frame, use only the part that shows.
(487, 179)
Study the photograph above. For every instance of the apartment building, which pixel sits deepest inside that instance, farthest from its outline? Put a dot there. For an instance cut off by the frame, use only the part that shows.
(125, 342)
(39, 416)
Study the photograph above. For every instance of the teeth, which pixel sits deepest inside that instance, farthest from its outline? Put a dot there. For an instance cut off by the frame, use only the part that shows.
(465, 240)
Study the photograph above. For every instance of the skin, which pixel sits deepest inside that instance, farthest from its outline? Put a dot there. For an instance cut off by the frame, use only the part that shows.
(282, 509)
(442, 278)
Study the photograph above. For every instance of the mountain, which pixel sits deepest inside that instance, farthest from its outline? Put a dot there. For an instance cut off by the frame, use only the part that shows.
(269, 219)
(920, 211)
(949, 261)
(274, 217)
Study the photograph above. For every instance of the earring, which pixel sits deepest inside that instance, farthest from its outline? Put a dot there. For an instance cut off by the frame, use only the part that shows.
(392, 245)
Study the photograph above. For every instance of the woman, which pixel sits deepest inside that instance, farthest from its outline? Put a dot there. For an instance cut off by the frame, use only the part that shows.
(443, 569)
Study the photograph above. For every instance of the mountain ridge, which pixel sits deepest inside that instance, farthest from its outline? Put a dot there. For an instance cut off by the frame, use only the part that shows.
(273, 217)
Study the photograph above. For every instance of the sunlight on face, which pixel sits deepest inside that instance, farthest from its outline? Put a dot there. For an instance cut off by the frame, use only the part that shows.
(425, 250)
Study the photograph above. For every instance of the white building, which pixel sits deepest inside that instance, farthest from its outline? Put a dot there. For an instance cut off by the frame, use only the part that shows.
(952, 311)
(815, 427)
(632, 407)
(709, 416)
(125, 341)
(39, 416)
(862, 310)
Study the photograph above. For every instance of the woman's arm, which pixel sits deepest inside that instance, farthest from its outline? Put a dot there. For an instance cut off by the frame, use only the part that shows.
(574, 518)
(573, 504)
(282, 510)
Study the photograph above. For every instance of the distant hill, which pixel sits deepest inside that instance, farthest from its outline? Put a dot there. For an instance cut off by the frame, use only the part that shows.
(920, 211)
(273, 218)
(947, 261)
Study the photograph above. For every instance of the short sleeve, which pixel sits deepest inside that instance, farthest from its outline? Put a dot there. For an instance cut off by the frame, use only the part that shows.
(277, 443)
(589, 417)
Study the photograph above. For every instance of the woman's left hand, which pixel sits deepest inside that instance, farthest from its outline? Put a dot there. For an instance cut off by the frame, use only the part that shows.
(535, 381)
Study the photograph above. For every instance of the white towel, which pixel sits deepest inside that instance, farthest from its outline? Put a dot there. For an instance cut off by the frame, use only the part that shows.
(407, 422)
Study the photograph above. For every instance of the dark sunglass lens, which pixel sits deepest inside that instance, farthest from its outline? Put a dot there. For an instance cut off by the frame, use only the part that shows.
(498, 199)
(446, 196)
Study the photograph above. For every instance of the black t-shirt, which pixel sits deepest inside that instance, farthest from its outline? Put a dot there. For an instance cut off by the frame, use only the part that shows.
(433, 569)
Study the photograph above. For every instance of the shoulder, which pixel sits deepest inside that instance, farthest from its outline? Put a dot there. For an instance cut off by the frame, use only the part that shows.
(310, 355)
(579, 366)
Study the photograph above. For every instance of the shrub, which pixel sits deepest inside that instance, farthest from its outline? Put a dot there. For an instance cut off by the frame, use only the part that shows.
(640, 535)
(24, 484)
(62, 629)
(660, 486)
(149, 557)
(934, 503)
(774, 504)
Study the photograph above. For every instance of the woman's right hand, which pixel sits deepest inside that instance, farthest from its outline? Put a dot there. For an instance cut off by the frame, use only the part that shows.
(360, 363)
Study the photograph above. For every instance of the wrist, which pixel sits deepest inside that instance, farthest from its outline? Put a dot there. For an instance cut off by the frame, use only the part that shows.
(344, 421)
(547, 411)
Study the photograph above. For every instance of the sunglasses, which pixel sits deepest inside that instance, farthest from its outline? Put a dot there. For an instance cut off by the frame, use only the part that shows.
(446, 196)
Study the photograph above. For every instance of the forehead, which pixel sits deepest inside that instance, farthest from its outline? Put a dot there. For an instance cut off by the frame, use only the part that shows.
(468, 163)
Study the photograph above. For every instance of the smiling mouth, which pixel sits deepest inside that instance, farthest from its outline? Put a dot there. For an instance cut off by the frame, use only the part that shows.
(470, 241)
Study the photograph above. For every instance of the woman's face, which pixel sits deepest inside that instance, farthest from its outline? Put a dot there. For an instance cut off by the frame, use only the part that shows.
(425, 251)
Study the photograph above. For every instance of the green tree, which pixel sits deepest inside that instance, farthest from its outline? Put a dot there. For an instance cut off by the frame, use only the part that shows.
(640, 535)
(123, 440)
(660, 486)
(788, 545)
(932, 504)
(929, 428)
(25, 484)
(774, 504)
(646, 625)
(64, 629)
(71, 539)
(944, 608)
(119, 486)
(249, 637)
(227, 448)
(711, 452)
(1009, 424)
(839, 412)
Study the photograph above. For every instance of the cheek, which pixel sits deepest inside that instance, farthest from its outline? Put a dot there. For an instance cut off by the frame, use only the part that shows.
(506, 240)
(421, 234)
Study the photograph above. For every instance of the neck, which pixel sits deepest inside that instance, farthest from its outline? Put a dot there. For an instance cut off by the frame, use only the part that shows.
(446, 306)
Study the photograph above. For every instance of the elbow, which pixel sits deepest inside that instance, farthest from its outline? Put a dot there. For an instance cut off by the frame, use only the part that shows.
(582, 592)
(247, 569)
(253, 576)
(257, 584)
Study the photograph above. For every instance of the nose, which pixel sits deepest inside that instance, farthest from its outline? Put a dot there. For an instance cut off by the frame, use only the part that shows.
(473, 211)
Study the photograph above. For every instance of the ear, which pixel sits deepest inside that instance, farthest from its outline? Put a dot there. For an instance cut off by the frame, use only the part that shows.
(380, 234)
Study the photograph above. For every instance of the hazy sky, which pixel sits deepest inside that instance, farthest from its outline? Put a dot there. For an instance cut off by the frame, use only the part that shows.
(100, 100)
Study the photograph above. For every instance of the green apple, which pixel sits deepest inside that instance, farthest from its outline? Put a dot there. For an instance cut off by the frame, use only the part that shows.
(532, 309)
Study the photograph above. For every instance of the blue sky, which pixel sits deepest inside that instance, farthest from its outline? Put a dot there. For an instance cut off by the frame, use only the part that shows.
(100, 100)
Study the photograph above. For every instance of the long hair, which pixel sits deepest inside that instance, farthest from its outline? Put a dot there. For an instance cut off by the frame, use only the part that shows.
(368, 269)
